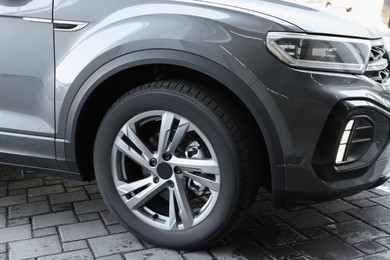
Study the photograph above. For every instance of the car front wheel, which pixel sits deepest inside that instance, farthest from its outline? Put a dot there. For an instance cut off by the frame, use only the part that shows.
(172, 165)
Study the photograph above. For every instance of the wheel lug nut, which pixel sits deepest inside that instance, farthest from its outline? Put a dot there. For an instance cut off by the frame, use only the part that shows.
(167, 156)
(156, 179)
(171, 184)
(177, 170)
(153, 162)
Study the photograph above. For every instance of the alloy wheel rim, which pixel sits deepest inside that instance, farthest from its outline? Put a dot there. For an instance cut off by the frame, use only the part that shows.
(170, 181)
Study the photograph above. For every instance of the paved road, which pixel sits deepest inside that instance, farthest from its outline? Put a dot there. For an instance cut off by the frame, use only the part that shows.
(45, 217)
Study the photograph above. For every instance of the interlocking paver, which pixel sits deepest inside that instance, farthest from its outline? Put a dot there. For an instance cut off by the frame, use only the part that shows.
(377, 215)
(68, 197)
(80, 254)
(34, 247)
(73, 246)
(12, 200)
(89, 206)
(24, 184)
(113, 244)
(82, 227)
(30, 209)
(329, 248)
(53, 189)
(82, 230)
(154, 254)
(54, 219)
(355, 231)
(15, 233)
(305, 219)
(333, 206)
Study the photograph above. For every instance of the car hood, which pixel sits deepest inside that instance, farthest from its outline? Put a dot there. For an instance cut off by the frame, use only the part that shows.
(308, 19)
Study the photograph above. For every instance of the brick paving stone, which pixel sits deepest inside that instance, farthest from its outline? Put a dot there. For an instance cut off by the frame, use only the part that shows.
(62, 207)
(45, 232)
(237, 238)
(285, 252)
(77, 245)
(243, 251)
(67, 197)
(108, 218)
(82, 230)
(305, 219)
(154, 254)
(333, 206)
(12, 200)
(95, 196)
(24, 184)
(361, 195)
(15, 233)
(89, 217)
(73, 183)
(91, 189)
(9, 175)
(113, 244)
(54, 219)
(46, 190)
(376, 216)
(89, 206)
(30, 209)
(74, 189)
(384, 201)
(53, 182)
(18, 222)
(315, 233)
(3, 221)
(3, 248)
(355, 231)
(277, 235)
(341, 217)
(266, 208)
(380, 256)
(328, 248)
(384, 241)
(115, 229)
(111, 257)
(363, 203)
(76, 255)
(370, 247)
(17, 192)
(197, 255)
(34, 247)
(3, 191)
(37, 199)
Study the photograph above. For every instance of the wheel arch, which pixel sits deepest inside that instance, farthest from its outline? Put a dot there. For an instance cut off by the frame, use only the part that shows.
(82, 115)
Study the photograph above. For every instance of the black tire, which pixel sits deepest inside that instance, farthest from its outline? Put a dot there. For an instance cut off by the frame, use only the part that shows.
(215, 202)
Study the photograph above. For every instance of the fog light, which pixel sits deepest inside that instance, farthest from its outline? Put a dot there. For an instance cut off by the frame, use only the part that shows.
(343, 146)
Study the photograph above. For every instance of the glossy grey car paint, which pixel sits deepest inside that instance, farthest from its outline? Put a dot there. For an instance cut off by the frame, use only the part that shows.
(54, 96)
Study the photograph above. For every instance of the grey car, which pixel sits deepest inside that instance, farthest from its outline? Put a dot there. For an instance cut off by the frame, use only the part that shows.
(181, 109)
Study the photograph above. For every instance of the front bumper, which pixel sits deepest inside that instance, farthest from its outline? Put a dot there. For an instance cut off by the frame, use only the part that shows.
(310, 111)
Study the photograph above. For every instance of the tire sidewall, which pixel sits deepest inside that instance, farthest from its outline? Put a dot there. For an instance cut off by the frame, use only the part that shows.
(224, 211)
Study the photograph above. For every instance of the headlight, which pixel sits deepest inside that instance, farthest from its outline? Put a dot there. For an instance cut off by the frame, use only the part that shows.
(320, 52)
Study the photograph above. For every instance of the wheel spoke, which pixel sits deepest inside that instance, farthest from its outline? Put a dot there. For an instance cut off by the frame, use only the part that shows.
(131, 153)
(144, 196)
(179, 135)
(185, 210)
(126, 188)
(172, 219)
(165, 129)
(129, 132)
(211, 184)
(208, 166)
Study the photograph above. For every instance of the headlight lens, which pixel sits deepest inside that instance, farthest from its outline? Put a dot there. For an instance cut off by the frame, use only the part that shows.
(320, 52)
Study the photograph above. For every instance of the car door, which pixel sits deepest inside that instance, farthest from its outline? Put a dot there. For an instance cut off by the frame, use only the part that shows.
(27, 83)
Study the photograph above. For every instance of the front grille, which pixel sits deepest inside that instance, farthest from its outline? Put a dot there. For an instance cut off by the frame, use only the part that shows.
(378, 66)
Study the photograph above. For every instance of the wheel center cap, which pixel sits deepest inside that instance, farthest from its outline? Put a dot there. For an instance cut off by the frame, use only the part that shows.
(164, 170)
